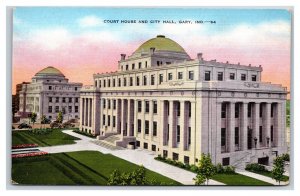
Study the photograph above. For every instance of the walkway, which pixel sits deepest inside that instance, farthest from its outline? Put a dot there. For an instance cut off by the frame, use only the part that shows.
(139, 157)
(260, 177)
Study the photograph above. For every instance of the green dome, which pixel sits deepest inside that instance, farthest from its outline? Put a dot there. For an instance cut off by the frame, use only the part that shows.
(49, 71)
(160, 43)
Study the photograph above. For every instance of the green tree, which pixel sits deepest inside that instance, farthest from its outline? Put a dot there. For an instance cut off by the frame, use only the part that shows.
(137, 177)
(114, 178)
(59, 117)
(205, 170)
(278, 169)
(33, 118)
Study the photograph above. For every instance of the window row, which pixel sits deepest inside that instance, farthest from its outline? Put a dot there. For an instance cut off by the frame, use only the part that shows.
(61, 88)
(64, 110)
(133, 66)
(232, 76)
(108, 121)
(63, 99)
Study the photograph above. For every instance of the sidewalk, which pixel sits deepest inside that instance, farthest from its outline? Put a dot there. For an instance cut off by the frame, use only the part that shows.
(138, 156)
(260, 177)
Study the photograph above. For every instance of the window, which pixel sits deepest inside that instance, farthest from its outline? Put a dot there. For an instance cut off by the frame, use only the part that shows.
(50, 109)
(76, 109)
(189, 105)
(175, 156)
(236, 110)
(272, 134)
(100, 83)
(147, 127)
(260, 134)
(131, 81)
(70, 99)
(153, 148)
(152, 79)
(272, 110)
(56, 109)
(180, 76)
(186, 160)
(249, 110)
(243, 77)
(161, 78)
(70, 109)
(139, 106)
(223, 110)
(147, 107)
(126, 67)
(253, 78)
(236, 135)
(108, 102)
(226, 161)
(231, 76)
(154, 128)
(189, 136)
(133, 66)
(145, 145)
(207, 75)
(140, 65)
(124, 82)
(103, 119)
(139, 126)
(178, 108)
(154, 107)
(108, 82)
(137, 81)
(50, 87)
(145, 81)
(50, 99)
(108, 120)
(191, 75)
(64, 100)
(170, 76)
(165, 153)
(138, 143)
(119, 82)
(76, 99)
(178, 134)
(76, 88)
(104, 103)
(114, 82)
(223, 136)
(114, 121)
(260, 110)
(57, 99)
(104, 83)
(146, 63)
(114, 104)
(220, 76)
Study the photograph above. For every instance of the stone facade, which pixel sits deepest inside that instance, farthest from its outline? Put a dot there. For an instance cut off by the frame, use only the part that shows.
(48, 93)
(162, 100)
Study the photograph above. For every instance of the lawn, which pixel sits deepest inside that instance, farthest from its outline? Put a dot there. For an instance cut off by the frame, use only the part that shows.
(239, 180)
(55, 137)
(269, 174)
(74, 168)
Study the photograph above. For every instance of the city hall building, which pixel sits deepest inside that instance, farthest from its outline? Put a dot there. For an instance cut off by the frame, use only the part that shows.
(161, 100)
(49, 93)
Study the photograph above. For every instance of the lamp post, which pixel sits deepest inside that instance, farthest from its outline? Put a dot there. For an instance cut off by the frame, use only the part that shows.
(255, 141)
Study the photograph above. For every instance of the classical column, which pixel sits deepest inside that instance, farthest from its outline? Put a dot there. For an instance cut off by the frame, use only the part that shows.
(91, 109)
(182, 121)
(160, 123)
(244, 124)
(279, 129)
(172, 134)
(267, 122)
(256, 125)
(163, 121)
(122, 116)
(128, 117)
(150, 120)
(86, 112)
(143, 111)
(82, 111)
(218, 127)
(231, 126)
(135, 117)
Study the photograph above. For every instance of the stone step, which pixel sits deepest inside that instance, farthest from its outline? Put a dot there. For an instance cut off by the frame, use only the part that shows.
(107, 145)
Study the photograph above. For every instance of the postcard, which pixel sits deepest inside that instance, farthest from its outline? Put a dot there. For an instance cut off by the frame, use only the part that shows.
(151, 96)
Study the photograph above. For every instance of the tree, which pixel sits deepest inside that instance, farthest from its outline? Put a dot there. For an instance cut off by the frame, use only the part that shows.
(205, 170)
(59, 117)
(33, 118)
(278, 169)
(136, 177)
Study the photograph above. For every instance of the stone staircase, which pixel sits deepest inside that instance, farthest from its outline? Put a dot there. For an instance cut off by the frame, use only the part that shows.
(109, 142)
(242, 161)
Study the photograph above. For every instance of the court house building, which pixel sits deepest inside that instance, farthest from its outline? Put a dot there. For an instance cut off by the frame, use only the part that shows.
(161, 100)
(48, 93)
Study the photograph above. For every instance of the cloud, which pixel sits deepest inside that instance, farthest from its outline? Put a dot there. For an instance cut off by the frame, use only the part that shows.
(90, 21)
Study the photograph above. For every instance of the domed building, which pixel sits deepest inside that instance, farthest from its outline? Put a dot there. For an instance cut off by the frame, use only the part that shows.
(161, 100)
(49, 93)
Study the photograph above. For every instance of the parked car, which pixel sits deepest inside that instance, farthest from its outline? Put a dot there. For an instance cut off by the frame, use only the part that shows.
(24, 126)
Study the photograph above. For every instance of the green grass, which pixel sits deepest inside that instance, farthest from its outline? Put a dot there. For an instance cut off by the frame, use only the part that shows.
(74, 168)
(55, 137)
(239, 180)
(269, 174)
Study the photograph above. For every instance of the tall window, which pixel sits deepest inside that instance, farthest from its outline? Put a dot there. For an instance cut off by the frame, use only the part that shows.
(154, 128)
(237, 110)
(147, 127)
(272, 134)
(223, 136)
(236, 135)
(145, 80)
(104, 103)
(147, 106)
(131, 81)
(137, 81)
(49, 109)
(70, 109)
(56, 99)
(64, 100)
(114, 82)
(223, 110)
(249, 110)
(56, 109)
(260, 110)
(140, 65)
(108, 120)
(133, 66)
(180, 75)
(152, 79)
(154, 107)
(170, 76)
(178, 133)
(161, 78)
(272, 109)
(260, 134)
(103, 119)
(108, 103)
(178, 108)
(124, 82)
(220, 76)
(253, 78)
(139, 106)
(50, 99)
(207, 75)
(76, 108)
(231, 76)
(189, 136)
(119, 82)
(191, 75)
(243, 77)
(108, 83)
(114, 104)
(139, 126)
(114, 121)
(104, 83)
(70, 99)
(76, 100)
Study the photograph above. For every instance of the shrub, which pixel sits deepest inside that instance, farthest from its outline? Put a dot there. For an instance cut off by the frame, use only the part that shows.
(255, 167)
(286, 157)
(194, 168)
(67, 125)
(219, 168)
(229, 169)
(187, 166)
(180, 164)
(55, 124)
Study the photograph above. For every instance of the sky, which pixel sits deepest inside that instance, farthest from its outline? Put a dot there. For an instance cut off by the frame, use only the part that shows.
(79, 41)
